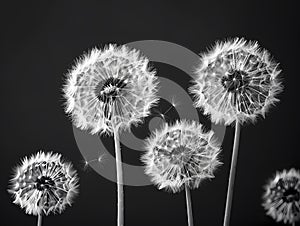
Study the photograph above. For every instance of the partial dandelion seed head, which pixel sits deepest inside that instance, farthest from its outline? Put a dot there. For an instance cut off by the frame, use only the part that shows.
(110, 88)
(236, 81)
(44, 183)
(281, 199)
(181, 154)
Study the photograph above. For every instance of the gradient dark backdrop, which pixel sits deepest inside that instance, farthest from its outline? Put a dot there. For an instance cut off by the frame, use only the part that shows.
(39, 41)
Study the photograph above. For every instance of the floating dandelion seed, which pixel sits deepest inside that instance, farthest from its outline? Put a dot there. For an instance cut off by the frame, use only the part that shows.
(174, 103)
(236, 82)
(108, 91)
(44, 183)
(181, 156)
(163, 115)
(282, 197)
(96, 160)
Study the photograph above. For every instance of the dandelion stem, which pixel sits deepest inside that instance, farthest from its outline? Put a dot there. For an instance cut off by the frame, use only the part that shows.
(293, 224)
(39, 220)
(119, 178)
(232, 173)
(189, 205)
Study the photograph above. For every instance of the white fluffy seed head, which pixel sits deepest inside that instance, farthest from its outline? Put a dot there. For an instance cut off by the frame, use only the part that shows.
(236, 81)
(110, 88)
(44, 183)
(281, 199)
(181, 154)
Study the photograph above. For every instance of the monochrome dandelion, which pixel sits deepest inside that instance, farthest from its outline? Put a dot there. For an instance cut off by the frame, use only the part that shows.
(107, 91)
(236, 82)
(281, 199)
(44, 184)
(110, 88)
(181, 156)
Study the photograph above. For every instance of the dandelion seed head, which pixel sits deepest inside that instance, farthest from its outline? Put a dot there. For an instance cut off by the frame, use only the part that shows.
(109, 88)
(236, 81)
(281, 199)
(44, 183)
(180, 154)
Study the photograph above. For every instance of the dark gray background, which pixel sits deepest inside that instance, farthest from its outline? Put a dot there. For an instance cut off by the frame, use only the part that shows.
(39, 41)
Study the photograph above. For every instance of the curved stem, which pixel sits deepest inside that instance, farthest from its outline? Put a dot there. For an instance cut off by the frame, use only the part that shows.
(39, 223)
(189, 205)
(119, 179)
(232, 173)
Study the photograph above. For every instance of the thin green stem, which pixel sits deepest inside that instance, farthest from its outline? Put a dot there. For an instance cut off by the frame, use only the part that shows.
(39, 223)
(232, 173)
(120, 191)
(189, 205)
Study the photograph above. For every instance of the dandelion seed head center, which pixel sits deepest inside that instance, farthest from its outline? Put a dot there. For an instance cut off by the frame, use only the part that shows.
(173, 147)
(176, 155)
(288, 189)
(109, 89)
(180, 155)
(235, 81)
(291, 195)
(44, 183)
